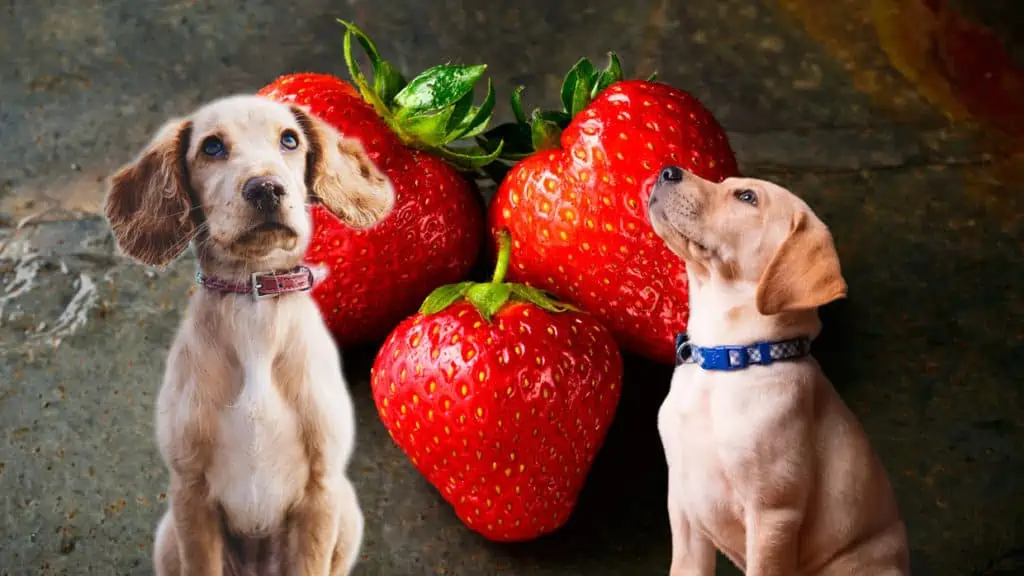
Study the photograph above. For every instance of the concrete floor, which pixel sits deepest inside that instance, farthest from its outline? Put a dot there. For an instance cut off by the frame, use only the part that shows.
(922, 195)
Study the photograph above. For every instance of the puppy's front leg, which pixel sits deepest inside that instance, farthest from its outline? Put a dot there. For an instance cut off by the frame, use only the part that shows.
(769, 460)
(773, 542)
(692, 553)
(350, 530)
(314, 528)
(197, 526)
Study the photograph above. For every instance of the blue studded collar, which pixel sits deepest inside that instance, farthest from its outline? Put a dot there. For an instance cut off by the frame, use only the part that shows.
(739, 357)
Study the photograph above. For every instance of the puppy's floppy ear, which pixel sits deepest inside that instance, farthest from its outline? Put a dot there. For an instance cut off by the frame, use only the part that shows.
(342, 176)
(149, 206)
(804, 273)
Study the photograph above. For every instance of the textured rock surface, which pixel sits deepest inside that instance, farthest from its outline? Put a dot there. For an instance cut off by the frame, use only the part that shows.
(926, 212)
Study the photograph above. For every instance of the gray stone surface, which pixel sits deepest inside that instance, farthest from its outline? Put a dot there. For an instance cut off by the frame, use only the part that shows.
(927, 217)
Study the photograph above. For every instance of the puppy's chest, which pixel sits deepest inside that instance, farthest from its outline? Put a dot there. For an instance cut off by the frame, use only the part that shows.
(259, 467)
(706, 491)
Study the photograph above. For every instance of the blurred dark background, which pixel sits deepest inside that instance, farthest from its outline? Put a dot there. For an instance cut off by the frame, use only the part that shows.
(901, 122)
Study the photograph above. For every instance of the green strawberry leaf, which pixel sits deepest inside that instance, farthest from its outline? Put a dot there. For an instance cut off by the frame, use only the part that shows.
(610, 75)
(544, 134)
(560, 118)
(459, 113)
(474, 119)
(387, 81)
(517, 105)
(433, 110)
(469, 158)
(483, 113)
(653, 76)
(517, 138)
(577, 85)
(444, 297)
(580, 98)
(365, 90)
(581, 85)
(428, 129)
(540, 299)
(488, 298)
(437, 88)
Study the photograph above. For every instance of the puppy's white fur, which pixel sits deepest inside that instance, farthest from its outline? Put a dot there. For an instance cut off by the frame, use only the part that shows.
(254, 419)
(767, 463)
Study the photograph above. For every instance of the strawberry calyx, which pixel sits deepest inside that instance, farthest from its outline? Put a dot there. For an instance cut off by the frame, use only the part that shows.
(542, 130)
(489, 297)
(430, 112)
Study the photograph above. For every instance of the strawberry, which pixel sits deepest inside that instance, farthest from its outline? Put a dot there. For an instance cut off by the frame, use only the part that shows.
(432, 237)
(576, 201)
(501, 397)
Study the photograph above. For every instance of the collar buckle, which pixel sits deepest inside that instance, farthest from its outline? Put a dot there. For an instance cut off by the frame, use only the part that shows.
(257, 285)
(262, 292)
(684, 349)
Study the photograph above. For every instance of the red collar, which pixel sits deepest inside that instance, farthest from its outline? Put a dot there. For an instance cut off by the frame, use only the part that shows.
(263, 284)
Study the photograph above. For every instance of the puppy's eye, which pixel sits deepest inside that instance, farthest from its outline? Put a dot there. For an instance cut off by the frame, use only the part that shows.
(289, 140)
(213, 147)
(745, 195)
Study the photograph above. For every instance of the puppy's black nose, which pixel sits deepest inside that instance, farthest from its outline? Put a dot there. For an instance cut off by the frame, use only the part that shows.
(263, 192)
(671, 174)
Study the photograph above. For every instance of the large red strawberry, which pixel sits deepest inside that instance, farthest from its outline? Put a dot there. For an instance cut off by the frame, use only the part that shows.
(576, 203)
(432, 237)
(501, 397)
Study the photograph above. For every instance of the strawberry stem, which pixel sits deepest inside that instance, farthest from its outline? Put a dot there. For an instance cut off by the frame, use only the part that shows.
(504, 254)
(432, 111)
(490, 297)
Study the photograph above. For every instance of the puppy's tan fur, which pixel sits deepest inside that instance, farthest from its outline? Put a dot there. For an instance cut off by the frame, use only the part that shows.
(254, 419)
(767, 463)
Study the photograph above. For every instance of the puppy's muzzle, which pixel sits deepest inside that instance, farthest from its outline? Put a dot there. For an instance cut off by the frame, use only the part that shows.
(263, 193)
(669, 176)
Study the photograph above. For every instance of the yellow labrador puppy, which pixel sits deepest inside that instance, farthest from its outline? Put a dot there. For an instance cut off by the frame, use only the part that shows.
(254, 419)
(766, 462)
